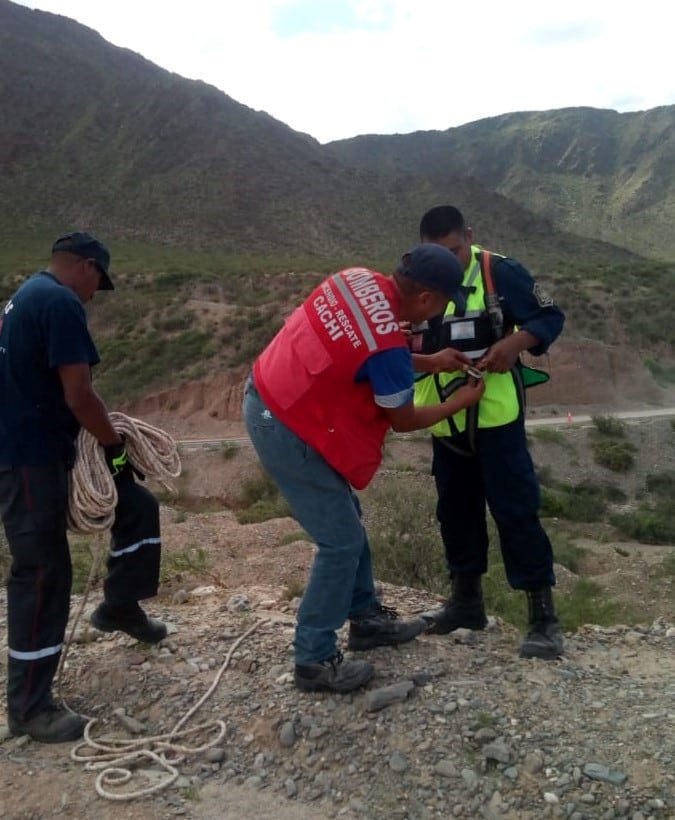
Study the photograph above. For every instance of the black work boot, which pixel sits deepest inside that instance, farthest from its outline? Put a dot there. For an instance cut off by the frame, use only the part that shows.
(381, 626)
(53, 724)
(333, 675)
(544, 638)
(128, 618)
(464, 609)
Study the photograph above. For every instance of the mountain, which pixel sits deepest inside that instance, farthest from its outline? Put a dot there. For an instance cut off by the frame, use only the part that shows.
(96, 136)
(220, 217)
(596, 173)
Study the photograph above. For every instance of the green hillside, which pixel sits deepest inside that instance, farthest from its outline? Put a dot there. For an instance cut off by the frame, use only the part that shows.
(596, 173)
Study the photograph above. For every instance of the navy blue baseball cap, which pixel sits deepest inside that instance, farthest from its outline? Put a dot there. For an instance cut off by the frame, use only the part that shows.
(433, 267)
(88, 247)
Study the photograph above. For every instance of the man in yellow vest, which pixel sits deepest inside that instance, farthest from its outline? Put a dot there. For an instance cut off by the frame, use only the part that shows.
(480, 455)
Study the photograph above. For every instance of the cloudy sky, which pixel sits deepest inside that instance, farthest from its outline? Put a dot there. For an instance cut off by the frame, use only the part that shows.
(337, 68)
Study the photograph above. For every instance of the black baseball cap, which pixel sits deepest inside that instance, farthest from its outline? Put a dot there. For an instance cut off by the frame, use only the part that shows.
(88, 247)
(434, 267)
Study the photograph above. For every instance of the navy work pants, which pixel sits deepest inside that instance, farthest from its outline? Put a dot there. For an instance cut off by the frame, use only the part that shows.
(501, 475)
(33, 505)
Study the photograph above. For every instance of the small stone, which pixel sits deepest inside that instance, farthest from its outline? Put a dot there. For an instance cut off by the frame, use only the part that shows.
(135, 659)
(596, 771)
(254, 782)
(4, 733)
(323, 780)
(130, 724)
(485, 734)
(446, 768)
(498, 751)
(291, 787)
(215, 755)
(180, 597)
(551, 798)
(511, 773)
(287, 735)
(656, 803)
(398, 762)
(238, 602)
(470, 779)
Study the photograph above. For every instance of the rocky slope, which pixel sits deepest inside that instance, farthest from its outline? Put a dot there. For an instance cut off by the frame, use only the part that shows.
(480, 733)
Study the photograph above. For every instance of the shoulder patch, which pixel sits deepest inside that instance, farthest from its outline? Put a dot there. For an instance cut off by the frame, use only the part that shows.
(544, 299)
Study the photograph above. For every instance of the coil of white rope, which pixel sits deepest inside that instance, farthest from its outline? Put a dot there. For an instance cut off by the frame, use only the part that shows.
(91, 510)
(93, 495)
(115, 759)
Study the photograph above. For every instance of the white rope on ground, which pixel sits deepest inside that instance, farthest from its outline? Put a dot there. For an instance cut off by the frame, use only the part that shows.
(112, 757)
(93, 495)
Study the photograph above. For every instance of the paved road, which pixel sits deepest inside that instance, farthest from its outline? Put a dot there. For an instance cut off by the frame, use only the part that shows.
(551, 421)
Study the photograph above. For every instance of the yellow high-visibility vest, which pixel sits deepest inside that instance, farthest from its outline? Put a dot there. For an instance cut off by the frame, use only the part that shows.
(501, 402)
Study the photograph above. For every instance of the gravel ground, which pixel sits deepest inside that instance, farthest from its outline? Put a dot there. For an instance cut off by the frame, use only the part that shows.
(477, 732)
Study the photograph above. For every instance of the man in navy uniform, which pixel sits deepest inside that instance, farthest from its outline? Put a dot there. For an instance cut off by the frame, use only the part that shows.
(46, 395)
(481, 455)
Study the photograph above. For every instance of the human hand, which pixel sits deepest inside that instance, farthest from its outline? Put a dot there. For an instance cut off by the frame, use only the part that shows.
(502, 356)
(117, 461)
(469, 394)
(449, 359)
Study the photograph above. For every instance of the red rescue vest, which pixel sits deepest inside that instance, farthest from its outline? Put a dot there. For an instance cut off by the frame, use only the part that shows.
(306, 374)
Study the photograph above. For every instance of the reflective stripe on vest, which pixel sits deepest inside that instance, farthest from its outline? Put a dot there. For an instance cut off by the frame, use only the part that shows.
(499, 404)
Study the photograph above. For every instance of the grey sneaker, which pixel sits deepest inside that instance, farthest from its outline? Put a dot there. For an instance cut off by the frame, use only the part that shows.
(53, 725)
(333, 675)
(130, 619)
(382, 626)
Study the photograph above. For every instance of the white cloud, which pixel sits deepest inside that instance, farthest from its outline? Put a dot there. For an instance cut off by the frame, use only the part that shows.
(404, 64)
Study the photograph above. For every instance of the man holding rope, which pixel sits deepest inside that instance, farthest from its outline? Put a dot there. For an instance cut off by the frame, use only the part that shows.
(46, 396)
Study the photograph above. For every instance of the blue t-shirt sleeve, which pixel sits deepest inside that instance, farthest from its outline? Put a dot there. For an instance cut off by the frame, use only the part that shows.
(67, 336)
(526, 304)
(390, 374)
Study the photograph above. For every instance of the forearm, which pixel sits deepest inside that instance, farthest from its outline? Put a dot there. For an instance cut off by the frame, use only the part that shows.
(524, 340)
(423, 417)
(91, 413)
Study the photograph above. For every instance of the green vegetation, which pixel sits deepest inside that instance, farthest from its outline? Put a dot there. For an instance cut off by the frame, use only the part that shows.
(292, 537)
(609, 426)
(653, 522)
(548, 435)
(294, 589)
(191, 562)
(260, 500)
(566, 552)
(609, 446)
(581, 502)
(229, 451)
(407, 550)
(618, 456)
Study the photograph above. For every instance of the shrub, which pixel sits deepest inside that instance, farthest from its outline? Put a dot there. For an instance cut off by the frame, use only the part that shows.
(661, 485)
(648, 525)
(609, 426)
(547, 435)
(615, 455)
(404, 538)
(261, 500)
(580, 502)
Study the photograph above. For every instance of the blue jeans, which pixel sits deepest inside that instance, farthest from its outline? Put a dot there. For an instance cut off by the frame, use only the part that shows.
(340, 584)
